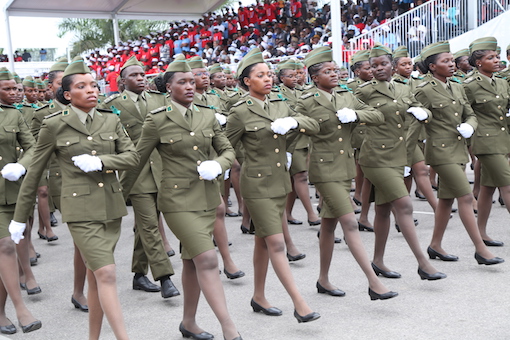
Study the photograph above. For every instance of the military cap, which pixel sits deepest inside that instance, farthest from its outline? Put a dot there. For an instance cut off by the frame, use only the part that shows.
(360, 56)
(319, 55)
(196, 62)
(76, 66)
(60, 65)
(5, 74)
(401, 52)
(16, 77)
(289, 64)
(300, 65)
(461, 53)
(28, 81)
(498, 50)
(178, 65)
(435, 48)
(508, 47)
(227, 71)
(379, 50)
(487, 43)
(215, 68)
(40, 85)
(131, 62)
(418, 59)
(252, 57)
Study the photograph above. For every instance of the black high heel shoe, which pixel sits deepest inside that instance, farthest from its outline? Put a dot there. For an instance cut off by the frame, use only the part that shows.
(233, 276)
(77, 305)
(448, 257)
(198, 336)
(419, 195)
(33, 326)
(246, 230)
(500, 200)
(337, 239)
(236, 338)
(431, 277)
(52, 238)
(385, 296)
(41, 236)
(362, 227)
(271, 311)
(295, 258)
(306, 318)
(333, 292)
(390, 275)
(356, 201)
(493, 243)
(482, 260)
(9, 329)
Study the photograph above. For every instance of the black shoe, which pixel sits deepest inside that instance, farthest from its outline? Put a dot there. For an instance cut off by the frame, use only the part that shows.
(488, 262)
(433, 254)
(362, 227)
(271, 311)
(319, 209)
(37, 255)
(306, 318)
(34, 291)
(246, 230)
(232, 214)
(416, 222)
(398, 228)
(33, 326)
(33, 261)
(295, 222)
(41, 236)
(334, 292)
(143, 283)
(493, 243)
(434, 187)
(233, 276)
(214, 242)
(454, 210)
(229, 202)
(356, 201)
(419, 195)
(390, 275)
(23, 286)
(9, 329)
(199, 336)
(77, 305)
(357, 211)
(500, 200)
(295, 258)
(337, 239)
(168, 289)
(53, 220)
(385, 296)
(236, 338)
(431, 277)
(51, 239)
(170, 253)
(311, 223)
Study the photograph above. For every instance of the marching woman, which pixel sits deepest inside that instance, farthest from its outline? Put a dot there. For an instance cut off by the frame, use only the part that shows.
(90, 145)
(489, 98)
(185, 135)
(332, 165)
(383, 157)
(453, 121)
(262, 124)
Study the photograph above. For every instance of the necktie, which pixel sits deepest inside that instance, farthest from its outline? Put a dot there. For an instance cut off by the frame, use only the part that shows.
(142, 106)
(333, 101)
(188, 116)
(88, 122)
(392, 88)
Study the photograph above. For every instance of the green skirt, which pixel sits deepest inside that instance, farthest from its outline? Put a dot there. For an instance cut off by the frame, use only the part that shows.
(452, 181)
(387, 183)
(266, 214)
(336, 199)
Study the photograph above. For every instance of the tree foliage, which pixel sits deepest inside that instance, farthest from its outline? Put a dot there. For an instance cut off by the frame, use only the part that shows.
(98, 33)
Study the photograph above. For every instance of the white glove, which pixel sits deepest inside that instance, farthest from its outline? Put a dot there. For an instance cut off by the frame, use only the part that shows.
(16, 229)
(346, 115)
(508, 113)
(227, 175)
(88, 163)
(418, 112)
(407, 171)
(13, 171)
(209, 170)
(222, 119)
(465, 130)
(282, 125)
(289, 160)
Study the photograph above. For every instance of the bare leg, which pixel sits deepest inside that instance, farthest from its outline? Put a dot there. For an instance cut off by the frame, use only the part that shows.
(476, 184)
(191, 295)
(301, 187)
(359, 181)
(80, 273)
(95, 310)
(161, 228)
(432, 177)
(260, 265)
(4, 321)
(44, 212)
(504, 193)
(227, 194)
(221, 238)
(326, 246)
(24, 262)
(235, 174)
(421, 172)
(365, 203)
(291, 247)
(484, 209)
(291, 198)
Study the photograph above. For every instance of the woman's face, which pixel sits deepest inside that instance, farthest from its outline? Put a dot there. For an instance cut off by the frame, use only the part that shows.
(83, 92)
(289, 78)
(327, 77)
(464, 65)
(201, 78)
(404, 67)
(21, 93)
(444, 66)
(381, 67)
(32, 94)
(489, 63)
(8, 92)
(219, 80)
(301, 76)
(182, 88)
(260, 80)
(365, 71)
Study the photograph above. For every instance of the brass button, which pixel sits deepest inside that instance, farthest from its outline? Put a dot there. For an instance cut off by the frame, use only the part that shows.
(195, 148)
(199, 162)
(89, 138)
(454, 102)
(342, 152)
(171, 140)
(111, 137)
(502, 129)
(397, 113)
(255, 128)
(487, 135)
(442, 145)
(426, 120)
(485, 100)
(210, 135)
(321, 160)
(152, 162)
(501, 118)
(67, 143)
(340, 139)
(259, 175)
(339, 127)
(278, 164)
(320, 119)
(383, 146)
(56, 174)
(378, 104)
(93, 152)
(399, 125)
(192, 133)
(276, 150)
(497, 97)
(100, 184)
(275, 136)
(13, 130)
(18, 148)
(440, 105)
(499, 106)
(401, 138)
(394, 100)
(0, 158)
(175, 186)
(459, 137)
(74, 194)
(302, 130)
(456, 113)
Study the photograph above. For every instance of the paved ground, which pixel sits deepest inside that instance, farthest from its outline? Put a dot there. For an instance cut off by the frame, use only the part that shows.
(472, 303)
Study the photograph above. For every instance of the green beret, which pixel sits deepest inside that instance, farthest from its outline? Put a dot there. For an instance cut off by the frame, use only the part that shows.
(5, 74)
(379, 50)
(16, 77)
(28, 81)
(319, 55)
(131, 62)
(251, 58)
(487, 43)
(462, 53)
(289, 64)
(401, 52)
(360, 56)
(196, 62)
(435, 48)
(40, 85)
(60, 65)
(76, 66)
(178, 65)
(215, 68)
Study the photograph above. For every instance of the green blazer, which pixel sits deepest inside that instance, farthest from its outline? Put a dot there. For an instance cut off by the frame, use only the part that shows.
(14, 133)
(385, 145)
(490, 105)
(359, 132)
(182, 148)
(332, 156)
(85, 196)
(264, 174)
(444, 143)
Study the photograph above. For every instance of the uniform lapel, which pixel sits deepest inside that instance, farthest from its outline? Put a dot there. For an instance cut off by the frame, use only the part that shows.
(130, 107)
(255, 108)
(175, 116)
(382, 87)
(322, 100)
(439, 88)
(71, 118)
(97, 123)
(197, 117)
(484, 83)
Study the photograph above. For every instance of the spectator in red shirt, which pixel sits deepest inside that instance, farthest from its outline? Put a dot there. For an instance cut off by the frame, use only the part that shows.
(243, 16)
(358, 23)
(295, 9)
(217, 36)
(270, 9)
(111, 78)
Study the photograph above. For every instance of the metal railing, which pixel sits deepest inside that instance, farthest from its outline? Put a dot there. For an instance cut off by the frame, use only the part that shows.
(488, 9)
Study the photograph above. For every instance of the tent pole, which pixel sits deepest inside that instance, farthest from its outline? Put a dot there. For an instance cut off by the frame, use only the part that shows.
(9, 50)
(116, 35)
(336, 31)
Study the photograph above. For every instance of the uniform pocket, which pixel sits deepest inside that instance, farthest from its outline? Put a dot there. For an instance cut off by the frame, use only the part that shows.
(109, 140)
(76, 191)
(321, 157)
(10, 134)
(176, 183)
(382, 144)
(259, 171)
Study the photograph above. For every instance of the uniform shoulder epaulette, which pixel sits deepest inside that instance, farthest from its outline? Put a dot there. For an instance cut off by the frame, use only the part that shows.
(159, 109)
(203, 106)
(53, 114)
(423, 84)
(400, 80)
(468, 80)
(104, 110)
(246, 94)
(238, 103)
(232, 94)
(456, 80)
(112, 97)
(364, 84)
(351, 80)
(154, 92)
(306, 95)
(278, 99)
(417, 77)
(45, 106)
(308, 86)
